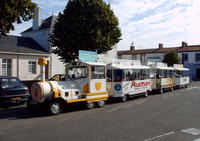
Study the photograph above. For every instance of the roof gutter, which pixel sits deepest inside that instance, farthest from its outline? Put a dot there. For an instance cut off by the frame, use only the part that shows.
(33, 54)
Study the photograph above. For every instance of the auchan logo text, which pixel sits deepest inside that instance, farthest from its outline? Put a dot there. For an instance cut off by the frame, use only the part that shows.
(140, 84)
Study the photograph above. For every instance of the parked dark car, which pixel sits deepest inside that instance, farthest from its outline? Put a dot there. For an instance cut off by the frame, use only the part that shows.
(13, 90)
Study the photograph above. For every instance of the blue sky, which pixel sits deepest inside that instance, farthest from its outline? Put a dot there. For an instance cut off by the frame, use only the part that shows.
(144, 22)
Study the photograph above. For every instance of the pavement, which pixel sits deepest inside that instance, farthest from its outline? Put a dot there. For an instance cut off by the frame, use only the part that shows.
(171, 116)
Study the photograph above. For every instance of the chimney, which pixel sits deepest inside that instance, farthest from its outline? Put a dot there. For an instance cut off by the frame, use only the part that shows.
(132, 47)
(184, 44)
(160, 46)
(37, 19)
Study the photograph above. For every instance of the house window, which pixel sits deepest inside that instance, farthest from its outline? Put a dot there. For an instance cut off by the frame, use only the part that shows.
(32, 67)
(185, 58)
(197, 57)
(6, 67)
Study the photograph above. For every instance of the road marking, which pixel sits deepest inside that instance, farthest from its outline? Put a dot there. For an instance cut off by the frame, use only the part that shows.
(115, 108)
(64, 119)
(192, 88)
(197, 139)
(163, 135)
(192, 131)
(134, 103)
(78, 117)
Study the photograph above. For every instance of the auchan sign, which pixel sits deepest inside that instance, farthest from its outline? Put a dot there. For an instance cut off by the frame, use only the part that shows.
(140, 84)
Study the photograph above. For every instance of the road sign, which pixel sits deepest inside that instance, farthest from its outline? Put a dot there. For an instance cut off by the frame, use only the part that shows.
(87, 56)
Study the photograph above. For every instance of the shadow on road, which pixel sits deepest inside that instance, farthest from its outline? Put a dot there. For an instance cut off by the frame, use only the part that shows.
(13, 112)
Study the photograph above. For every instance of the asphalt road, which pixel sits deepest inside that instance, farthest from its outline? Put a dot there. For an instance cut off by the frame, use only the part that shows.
(172, 116)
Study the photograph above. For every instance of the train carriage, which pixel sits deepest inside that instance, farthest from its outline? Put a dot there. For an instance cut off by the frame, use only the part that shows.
(181, 76)
(161, 76)
(126, 78)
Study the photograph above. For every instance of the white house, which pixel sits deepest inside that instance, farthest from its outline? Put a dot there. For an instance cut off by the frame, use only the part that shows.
(40, 31)
(19, 56)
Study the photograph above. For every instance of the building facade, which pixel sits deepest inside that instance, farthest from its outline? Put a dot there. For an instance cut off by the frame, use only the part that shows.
(40, 32)
(189, 55)
(19, 56)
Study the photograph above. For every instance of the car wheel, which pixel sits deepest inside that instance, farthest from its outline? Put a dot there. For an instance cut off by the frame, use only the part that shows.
(55, 108)
(101, 103)
(90, 105)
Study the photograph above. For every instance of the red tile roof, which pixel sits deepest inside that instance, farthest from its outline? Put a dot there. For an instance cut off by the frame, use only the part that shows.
(190, 48)
(161, 50)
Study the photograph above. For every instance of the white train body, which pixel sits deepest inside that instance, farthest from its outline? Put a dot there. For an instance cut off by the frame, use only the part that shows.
(127, 78)
(85, 82)
(181, 75)
(161, 76)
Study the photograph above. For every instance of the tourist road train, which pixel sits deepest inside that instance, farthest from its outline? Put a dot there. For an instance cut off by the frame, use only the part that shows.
(93, 83)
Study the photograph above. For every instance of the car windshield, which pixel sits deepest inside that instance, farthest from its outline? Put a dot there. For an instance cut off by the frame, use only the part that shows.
(10, 83)
(77, 72)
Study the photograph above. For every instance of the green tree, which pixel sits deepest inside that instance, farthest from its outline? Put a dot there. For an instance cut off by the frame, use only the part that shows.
(171, 58)
(85, 25)
(12, 11)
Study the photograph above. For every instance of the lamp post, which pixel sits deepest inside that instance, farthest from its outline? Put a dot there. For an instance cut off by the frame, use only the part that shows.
(42, 62)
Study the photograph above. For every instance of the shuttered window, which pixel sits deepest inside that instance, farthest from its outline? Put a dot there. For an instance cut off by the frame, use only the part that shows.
(32, 67)
(6, 67)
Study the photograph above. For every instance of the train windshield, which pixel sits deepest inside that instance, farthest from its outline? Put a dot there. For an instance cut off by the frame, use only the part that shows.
(77, 72)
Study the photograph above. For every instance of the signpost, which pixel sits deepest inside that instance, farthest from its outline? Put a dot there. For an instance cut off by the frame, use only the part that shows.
(87, 56)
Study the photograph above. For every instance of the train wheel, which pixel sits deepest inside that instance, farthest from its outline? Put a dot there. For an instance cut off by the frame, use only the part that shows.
(161, 90)
(101, 103)
(55, 108)
(146, 94)
(124, 98)
(90, 105)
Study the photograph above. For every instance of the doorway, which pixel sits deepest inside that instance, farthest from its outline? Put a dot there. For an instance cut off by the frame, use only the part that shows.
(198, 73)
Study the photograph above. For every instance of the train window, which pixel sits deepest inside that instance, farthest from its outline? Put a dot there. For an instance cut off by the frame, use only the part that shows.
(152, 73)
(109, 75)
(77, 72)
(129, 75)
(177, 73)
(118, 75)
(185, 73)
(159, 74)
(170, 73)
(145, 74)
(98, 72)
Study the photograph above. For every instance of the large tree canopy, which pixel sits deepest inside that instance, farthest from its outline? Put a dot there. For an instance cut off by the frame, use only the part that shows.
(12, 11)
(85, 25)
(171, 58)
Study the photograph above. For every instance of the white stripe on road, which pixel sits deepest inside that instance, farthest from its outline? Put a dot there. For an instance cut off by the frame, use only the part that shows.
(64, 119)
(115, 108)
(153, 138)
(197, 139)
(192, 88)
(134, 103)
(192, 131)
